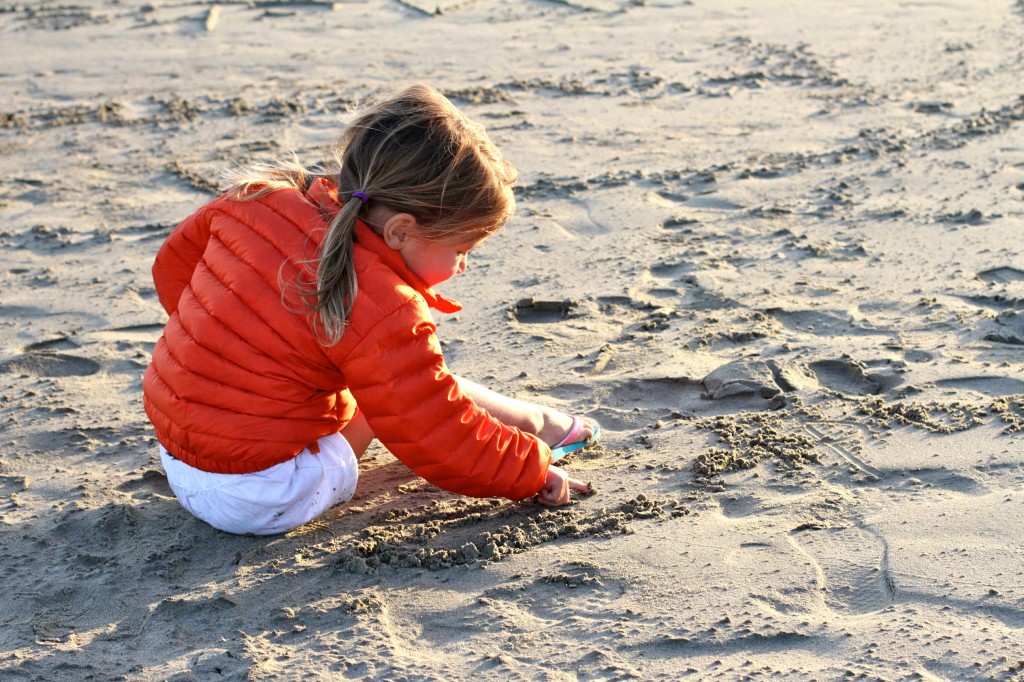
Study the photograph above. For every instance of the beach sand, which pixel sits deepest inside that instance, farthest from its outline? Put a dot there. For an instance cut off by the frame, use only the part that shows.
(768, 246)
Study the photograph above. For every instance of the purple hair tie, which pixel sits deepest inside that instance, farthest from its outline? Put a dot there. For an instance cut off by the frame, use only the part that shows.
(361, 196)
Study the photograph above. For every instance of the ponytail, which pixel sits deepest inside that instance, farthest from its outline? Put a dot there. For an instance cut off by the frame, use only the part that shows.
(336, 284)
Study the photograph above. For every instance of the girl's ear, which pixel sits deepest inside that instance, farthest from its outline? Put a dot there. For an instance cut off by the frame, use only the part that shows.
(398, 229)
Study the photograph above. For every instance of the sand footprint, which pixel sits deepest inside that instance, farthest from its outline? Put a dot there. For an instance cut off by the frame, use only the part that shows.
(531, 310)
(10, 486)
(852, 565)
(151, 481)
(47, 364)
(1001, 275)
(850, 377)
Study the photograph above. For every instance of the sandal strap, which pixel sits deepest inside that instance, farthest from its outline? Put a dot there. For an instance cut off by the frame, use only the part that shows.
(574, 432)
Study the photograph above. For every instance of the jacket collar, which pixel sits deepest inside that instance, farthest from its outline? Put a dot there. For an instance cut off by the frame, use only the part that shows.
(325, 195)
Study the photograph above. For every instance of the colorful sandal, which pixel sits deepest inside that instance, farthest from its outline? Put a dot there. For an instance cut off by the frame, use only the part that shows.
(570, 444)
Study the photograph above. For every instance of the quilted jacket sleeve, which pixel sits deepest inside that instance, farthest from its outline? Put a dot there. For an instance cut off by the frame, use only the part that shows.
(416, 409)
(178, 257)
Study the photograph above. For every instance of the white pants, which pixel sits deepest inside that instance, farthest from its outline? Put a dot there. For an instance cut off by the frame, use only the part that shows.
(271, 501)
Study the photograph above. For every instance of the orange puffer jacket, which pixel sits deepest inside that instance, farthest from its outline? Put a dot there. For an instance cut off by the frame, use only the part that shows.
(239, 383)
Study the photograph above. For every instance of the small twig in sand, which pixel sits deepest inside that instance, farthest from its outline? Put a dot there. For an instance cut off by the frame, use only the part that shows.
(212, 17)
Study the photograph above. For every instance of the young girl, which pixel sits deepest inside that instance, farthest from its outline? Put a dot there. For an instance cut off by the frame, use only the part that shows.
(300, 330)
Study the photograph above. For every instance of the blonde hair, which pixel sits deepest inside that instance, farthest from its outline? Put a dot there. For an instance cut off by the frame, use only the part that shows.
(414, 153)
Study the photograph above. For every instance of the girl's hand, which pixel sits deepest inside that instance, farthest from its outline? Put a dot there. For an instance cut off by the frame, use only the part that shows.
(555, 492)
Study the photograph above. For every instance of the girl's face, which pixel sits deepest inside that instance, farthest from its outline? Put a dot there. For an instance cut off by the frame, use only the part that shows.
(432, 260)
(436, 261)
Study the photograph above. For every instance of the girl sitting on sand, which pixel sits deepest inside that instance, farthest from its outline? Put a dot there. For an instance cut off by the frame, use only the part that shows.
(299, 330)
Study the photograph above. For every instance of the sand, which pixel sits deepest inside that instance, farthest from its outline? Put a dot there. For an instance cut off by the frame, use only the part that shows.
(773, 247)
